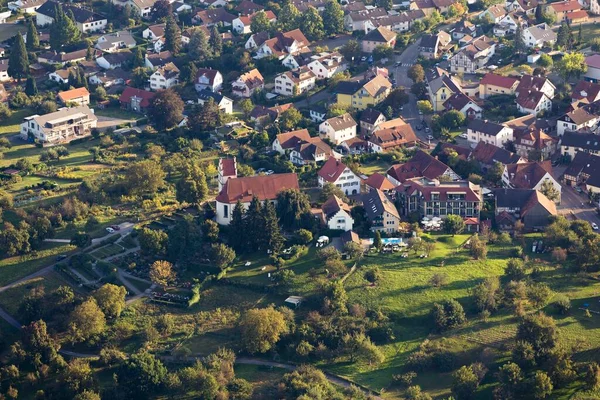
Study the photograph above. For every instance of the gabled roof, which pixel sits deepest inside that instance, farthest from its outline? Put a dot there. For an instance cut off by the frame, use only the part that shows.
(376, 203)
(507, 82)
(333, 205)
(528, 175)
(564, 6)
(158, 30)
(488, 154)
(542, 32)
(586, 141)
(444, 190)
(394, 137)
(252, 79)
(581, 116)
(168, 71)
(584, 163)
(458, 101)
(530, 99)
(69, 95)
(496, 10)
(378, 181)
(313, 148)
(381, 34)
(265, 187)
(593, 61)
(377, 85)
(130, 92)
(347, 87)
(228, 166)
(538, 137)
(532, 83)
(206, 94)
(486, 127)
(160, 59)
(248, 7)
(370, 116)
(429, 41)
(420, 165)
(214, 16)
(81, 15)
(331, 170)
(523, 199)
(118, 58)
(341, 122)
(586, 90)
(289, 140)
(209, 73)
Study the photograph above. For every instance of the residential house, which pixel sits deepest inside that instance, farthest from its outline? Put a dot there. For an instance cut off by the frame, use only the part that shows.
(540, 35)
(396, 22)
(380, 182)
(264, 187)
(86, 20)
(493, 13)
(114, 42)
(242, 24)
(325, 65)
(378, 37)
(289, 140)
(311, 151)
(524, 6)
(583, 168)
(463, 104)
(110, 78)
(370, 93)
(560, 10)
(529, 206)
(25, 6)
(155, 34)
(317, 112)
(429, 198)
(454, 150)
(338, 129)
(534, 94)
(493, 84)
(4, 77)
(336, 214)
(186, 34)
(60, 126)
(381, 211)
(473, 56)
(247, 7)
(463, 28)
(156, 60)
(362, 20)
(213, 16)
(338, 174)
(60, 75)
(486, 131)
(293, 42)
(296, 82)
(164, 77)
(208, 78)
(248, 83)
(369, 119)
(487, 155)
(79, 96)
(508, 24)
(529, 175)
(420, 165)
(585, 91)
(572, 143)
(262, 115)
(431, 46)
(136, 100)
(62, 58)
(224, 103)
(387, 139)
(534, 141)
(256, 40)
(143, 8)
(593, 68)
(440, 89)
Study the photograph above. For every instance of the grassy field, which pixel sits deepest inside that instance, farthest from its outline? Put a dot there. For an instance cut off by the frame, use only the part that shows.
(11, 299)
(79, 154)
(14, 268)
(374, 166)
(108, 251)
(118, 113)
(13, 124)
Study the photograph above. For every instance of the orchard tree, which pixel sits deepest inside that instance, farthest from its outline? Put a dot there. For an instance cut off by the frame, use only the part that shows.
(141, 375)
(465, 383)
(540, 386)
(571, 64)
(540, 331)
(153, 242)
(261, 329)
(143, 177)
(510, 381)
(448, 315)
(166, 109)
(290, 119)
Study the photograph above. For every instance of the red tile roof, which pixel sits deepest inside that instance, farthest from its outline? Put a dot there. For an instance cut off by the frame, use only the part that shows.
(420, 165)
(265, 187)
(563, 6)
(528, 175)
(69, 95)
(331, 170)
(498, 80)
(130, 92)
(228, 166)
(378, 181)
(289, 140)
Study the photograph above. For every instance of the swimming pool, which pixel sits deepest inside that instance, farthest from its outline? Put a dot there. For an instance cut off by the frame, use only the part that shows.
(389, 240)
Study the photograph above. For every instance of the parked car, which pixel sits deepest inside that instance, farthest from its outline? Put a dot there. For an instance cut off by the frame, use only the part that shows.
(116, 227)
(61, 257)
(578, 189)
(110, 230)
(463, 135)
(270, 172)
(594, 226)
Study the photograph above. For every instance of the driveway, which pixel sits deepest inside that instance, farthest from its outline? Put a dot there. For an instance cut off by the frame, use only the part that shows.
(333, 43)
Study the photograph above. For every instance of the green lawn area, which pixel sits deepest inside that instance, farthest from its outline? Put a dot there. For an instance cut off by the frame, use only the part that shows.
(32, 180)
(108, 251)
(13, 124)
(79, 154)
(118, 113)
(139, 284)
(374, 166)
(14, 268)
(11, 299)
(588, 32)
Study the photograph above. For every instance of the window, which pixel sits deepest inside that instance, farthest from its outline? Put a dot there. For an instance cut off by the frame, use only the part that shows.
(225, 211)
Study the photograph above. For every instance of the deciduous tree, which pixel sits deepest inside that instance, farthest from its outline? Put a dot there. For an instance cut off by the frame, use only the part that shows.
(261, 329)
(333, 17)
(86, 321)
(111, 299)
(161, 273)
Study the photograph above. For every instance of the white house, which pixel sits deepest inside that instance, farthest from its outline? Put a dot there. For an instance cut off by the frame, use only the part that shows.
(207, 78)
(4, 71)
(25, 6)
(294, 83)
(113, 42)
(337, 173)
(248, 83)
(242, 24)
(338, 129)
(473, 56)
(154, 32)
(61, 126)
(593, 68)
(224, 103)
(539, 36)
(529, 175)
(114, 60)
(164, 77)
(486, 131)
(534, 102)
(576, 121)
(325, 65)
(86, 20)
(336, 214)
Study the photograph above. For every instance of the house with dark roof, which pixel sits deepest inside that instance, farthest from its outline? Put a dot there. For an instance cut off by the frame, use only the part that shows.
(529, 175)
(583, 167)
(420, 165)
(264, 187)
(369, 119)
(62, 58)
(114, 60)
(487, 154)
(224, 103)
(337, 173)
(473, 56)
(464, 105)
(247, 7)
(116, 41)
(529, 206)
(378, 37)
(480, 130)
(540, 35)
(261, 113)
(534, 141)
(534, 94)
(432, 198)
(381, 211)
(586, 91)
(335, 214)
(137, 100)
(86, 20)
(462, 153)
(583, 118)
(524, 6)
(572, 143)
(213, 16)
(157, 60)
(432, 45)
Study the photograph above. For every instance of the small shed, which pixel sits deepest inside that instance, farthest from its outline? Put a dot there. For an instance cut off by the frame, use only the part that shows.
(295, 300)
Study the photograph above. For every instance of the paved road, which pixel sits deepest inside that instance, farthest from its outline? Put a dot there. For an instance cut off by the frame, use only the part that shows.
(571, 201)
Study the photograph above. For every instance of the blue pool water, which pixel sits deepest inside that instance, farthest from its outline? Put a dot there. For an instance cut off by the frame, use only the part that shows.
(389, 240)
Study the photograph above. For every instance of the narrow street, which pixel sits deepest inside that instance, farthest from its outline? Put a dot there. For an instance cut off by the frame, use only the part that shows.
(573, 202)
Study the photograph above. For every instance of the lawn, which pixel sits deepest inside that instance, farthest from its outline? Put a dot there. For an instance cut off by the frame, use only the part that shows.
(14, 268)
(139, 284)
(108, 251)
(118, 113)
(588, 32)
(369, 168)
(12, 125)
(79, 154)
(11, 299)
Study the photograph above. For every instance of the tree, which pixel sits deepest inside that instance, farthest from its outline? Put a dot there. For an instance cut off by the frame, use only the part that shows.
(571, 64)
(274, 240)
(261, 328)
(290, 119)
(424, 106)
(540, 386)
(221, 255)
(288, 17)
(254, 225)
(87, 395)
(563, 36)
(382, 51)
(81, 240)
(377, 243)
(260, 22)
(454, 224)
(153, 242)
(292, 204)
(210, 230)
(199, 47)
(138, 59)
(172, 36)
(166, 109)
(162, 9)
(63, 30)
(515, 269)
(161, 273)
(539, 294)
(33, 39)
(329, 189)
(353, 250)
(452, 119)
(312, 24)
(78, 375)
(540, 331)
(333, 17)
(86, 321)
(478, 248)
(373, 275)
(111, 299)
(416, 73)
(438, 280)
(448, 315)
(205, 117)
(510, 379)
(237, 234)
(145, 176)
(216, 42)
(519, 43)
(31, 87)
(141, 375)
(246, 106)
(592, 376)
(465, 383)
(360, 348)
(18, 60)
(456, 10)
(549, 191)
(545, 61)
(37, 340)
(192, 187)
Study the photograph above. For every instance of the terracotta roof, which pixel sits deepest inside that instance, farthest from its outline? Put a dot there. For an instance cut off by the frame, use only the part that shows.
(539, 138)
(312, 148)
(528, 175)
(331, 170)
(575, 15)
(378, 181)
(421, 164)
(333, 205)
(350, 236)
(130, 92)
(160, 59)
(247, 19)
(394, 137)
(586, 90)
(289, 140)
(392, 123)
(265, 187)
(252, 78)
(341, 122)
(380, 34)
(69, 95)
(532, 83)
(528, 4)
(248, 7)
(488, 154)
(158, 30)
(563, 6)
(211, 74)
(507, 82)
(530, 100)
(228, 166)
(427, 187)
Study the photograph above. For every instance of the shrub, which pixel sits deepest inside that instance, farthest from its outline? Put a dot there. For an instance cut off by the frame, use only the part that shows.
(562, 304)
